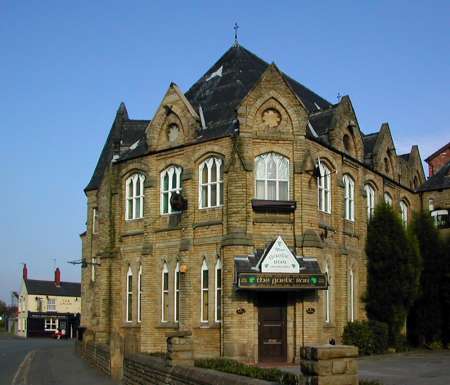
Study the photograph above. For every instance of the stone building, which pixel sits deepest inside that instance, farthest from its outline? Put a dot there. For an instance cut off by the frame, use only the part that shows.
(238, 214)
(47, 306)
(435, 192)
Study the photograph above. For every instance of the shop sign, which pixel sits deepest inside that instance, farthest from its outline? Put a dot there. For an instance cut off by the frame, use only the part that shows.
(279, 259)
(257, 281)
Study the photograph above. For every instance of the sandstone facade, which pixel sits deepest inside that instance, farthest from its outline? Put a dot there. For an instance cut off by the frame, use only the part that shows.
(127, 301)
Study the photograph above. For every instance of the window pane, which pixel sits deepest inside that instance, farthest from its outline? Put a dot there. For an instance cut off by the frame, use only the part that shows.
(166, 281)
(205, 279)
(205, 174)
(283, 169)
(219, 305)
(174, 181)
(130, 307)
(178, 281)
(137, 207)
(166, 202)
(219, 277)
(205, 196)
(138, 187)
(130, 209)
(130, 282)
(205, 305)
(271, 190)
(220, 171)
(271, 169)
(213, 173)
(166, 306)
(130, 188)
(221, 194)
(284, 193)
(166, 182)
(177, 305)
(260, 189)
(260, 168)
(214, 194)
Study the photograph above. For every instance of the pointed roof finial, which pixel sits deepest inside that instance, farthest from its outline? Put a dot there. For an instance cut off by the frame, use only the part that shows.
(236, 27)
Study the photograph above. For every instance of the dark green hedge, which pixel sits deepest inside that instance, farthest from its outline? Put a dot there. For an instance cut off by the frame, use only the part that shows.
(235, 367)
(371, 337)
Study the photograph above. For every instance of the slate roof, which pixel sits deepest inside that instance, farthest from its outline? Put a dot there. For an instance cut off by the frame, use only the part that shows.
(439, 181)
(220, 95)
(369, 141)
(321, 121)
(124, 133)
(67, 289)
(405, 157)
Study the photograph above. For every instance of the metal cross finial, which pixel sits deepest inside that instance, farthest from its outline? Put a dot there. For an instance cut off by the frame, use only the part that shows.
(236, 27)
(339, 96)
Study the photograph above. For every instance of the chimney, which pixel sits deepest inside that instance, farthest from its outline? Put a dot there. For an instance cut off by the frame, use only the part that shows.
(25, 272)
(57, 277)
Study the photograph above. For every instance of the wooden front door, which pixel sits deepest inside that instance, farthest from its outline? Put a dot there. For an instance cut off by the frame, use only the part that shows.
(272, 327)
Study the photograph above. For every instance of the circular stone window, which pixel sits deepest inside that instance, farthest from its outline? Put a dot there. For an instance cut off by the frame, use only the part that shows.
(271, 118)
(173, 133)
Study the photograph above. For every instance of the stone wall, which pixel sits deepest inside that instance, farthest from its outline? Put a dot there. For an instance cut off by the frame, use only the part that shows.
(144, 369)
(98, 355)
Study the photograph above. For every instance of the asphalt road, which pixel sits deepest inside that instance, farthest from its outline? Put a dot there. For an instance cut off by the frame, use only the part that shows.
(37, 361)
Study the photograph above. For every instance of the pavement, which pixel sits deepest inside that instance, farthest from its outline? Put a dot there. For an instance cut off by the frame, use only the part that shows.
(418, 367)
(41, 361)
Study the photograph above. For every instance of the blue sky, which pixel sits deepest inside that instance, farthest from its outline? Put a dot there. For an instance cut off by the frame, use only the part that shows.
(66, 66)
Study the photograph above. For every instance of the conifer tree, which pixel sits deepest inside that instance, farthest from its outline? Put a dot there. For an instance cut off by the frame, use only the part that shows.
(425, 320)
(393, 271)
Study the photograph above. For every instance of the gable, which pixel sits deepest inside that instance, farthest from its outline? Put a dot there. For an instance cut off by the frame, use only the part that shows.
(277, 258)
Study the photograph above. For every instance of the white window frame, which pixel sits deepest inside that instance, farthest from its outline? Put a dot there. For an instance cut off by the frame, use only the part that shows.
(132, 197)
(51, 306)
(218, 291)
(94, 220)
(164, 292)
(404, 213)
(211, 162)
(327, 299)
(139, 287)
(170, 171)
(204, 291)
(351, 295)
(324, 188)
(430, 204)
(129, 296)
(93, 263)
(388, 199)
(50, 324)
(278, 159)
(349, 198)
(370, 200)
(176, 293)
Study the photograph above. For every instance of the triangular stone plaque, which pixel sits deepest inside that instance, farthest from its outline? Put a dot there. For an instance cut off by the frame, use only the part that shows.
(279, 259)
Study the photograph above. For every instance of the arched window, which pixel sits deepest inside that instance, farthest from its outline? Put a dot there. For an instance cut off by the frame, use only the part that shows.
(370, 200)
(388, 199)
(93, 264)
(129, 298)
(324, 188)
(170, 183)
(327, 301)
(139, 312)
(165, 293)
(349, 198)
(176, 307)
(430, 204)
(404, 213)
(218, 308)
(351, 295)
(134, 193)
(272, 177)
(211, 183)
(204, 283)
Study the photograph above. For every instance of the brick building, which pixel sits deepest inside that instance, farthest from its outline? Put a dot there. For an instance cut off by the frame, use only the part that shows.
(435, 192)
(238, 214)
